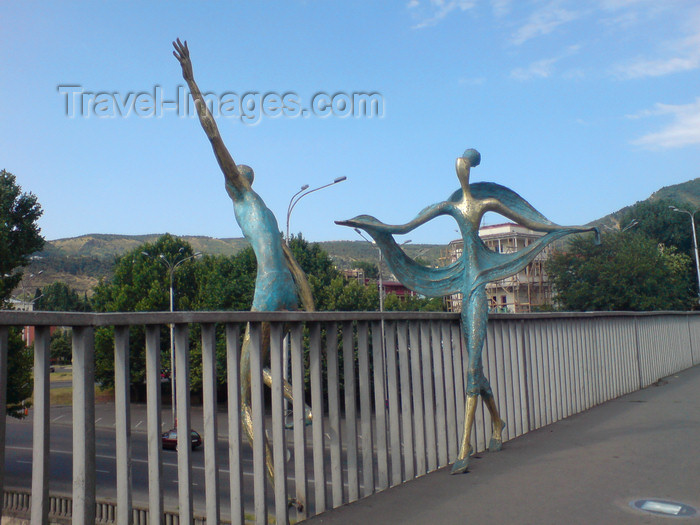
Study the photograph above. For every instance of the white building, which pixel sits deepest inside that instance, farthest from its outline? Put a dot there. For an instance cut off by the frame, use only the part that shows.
(525, 291)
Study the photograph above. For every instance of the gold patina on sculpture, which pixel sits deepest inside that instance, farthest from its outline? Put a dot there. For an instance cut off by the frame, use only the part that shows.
(469, 275)
(280, 283)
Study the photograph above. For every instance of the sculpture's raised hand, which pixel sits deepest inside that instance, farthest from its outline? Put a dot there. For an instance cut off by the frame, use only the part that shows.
(182, 53)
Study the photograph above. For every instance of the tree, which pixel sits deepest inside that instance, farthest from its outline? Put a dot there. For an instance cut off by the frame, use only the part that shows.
(371, 270)
(225, 283)
(141, 283)
(62, 346)
(628, 271)
(59, 297)
(19, 375)
(19, 232)
(657, 221)
(19, 238)
(413, 303)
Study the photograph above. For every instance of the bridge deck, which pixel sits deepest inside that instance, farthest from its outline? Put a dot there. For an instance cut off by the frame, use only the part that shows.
(585, 469)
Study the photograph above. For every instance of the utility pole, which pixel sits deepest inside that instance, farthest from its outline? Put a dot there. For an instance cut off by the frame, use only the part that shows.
(172, 265)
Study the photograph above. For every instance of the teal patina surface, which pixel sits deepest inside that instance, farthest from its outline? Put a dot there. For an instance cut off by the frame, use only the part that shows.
(469, 275)
(274, 286)
(280, 283)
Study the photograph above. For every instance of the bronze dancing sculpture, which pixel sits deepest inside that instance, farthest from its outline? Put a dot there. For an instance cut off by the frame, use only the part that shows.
(279, 277)
(469, 275)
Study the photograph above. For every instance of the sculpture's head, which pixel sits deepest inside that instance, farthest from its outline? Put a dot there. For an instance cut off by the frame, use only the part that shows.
(473, 156)
(247, 172)
(469, 159)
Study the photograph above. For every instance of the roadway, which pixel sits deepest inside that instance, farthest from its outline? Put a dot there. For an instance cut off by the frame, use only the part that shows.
(18, 458)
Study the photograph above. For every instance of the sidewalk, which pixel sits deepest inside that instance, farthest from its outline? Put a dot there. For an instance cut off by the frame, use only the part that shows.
(585, 469)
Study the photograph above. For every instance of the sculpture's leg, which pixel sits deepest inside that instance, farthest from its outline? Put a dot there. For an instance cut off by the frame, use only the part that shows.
(465, 448)
(245, 383)
(246, 408)
(474, 317)
(497, 424)
(287, 392)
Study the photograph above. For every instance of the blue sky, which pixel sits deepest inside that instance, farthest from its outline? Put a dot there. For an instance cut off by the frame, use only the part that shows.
(582, 107)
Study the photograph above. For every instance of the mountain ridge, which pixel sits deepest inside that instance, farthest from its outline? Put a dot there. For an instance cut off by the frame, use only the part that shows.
(83, 260)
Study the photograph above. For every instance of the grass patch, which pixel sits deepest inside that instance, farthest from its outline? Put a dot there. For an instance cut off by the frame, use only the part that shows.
(64, 395)
(61, 376)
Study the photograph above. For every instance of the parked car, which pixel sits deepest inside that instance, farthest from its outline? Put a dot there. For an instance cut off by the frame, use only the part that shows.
(169, 439)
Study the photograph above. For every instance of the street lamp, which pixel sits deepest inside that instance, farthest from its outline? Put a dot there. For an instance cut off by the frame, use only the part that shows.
(29, 305)
(632, 224)
(381, 302)
(695, 242)
(303, 193)
(171, 265)
(381, 259)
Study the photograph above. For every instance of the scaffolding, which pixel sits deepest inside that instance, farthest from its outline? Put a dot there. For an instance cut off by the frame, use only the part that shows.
(526, 291)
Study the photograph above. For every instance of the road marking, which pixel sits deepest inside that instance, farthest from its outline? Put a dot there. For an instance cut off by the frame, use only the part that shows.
(103, 471)
(98, 420)
(57, 418)
(138, 424)
(25, 462)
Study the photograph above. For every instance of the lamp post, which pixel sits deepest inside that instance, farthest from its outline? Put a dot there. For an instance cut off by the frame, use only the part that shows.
(619, 229)
(303, 192)
(381, 303)
(28, 305)
(171, 265)
(695, 241)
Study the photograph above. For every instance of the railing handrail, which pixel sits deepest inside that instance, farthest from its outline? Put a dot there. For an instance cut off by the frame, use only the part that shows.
(543, 367)
(22, 318)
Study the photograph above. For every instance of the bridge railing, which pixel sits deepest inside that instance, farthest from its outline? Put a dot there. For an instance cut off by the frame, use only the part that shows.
(394, 415)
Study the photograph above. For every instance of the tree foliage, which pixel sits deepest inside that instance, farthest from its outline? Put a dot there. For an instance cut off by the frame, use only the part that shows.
(370, 269)
(656, 220)
(19, 374)
(19, 238)
(212, 282)
(59, 297)
(628, 271)
(19, 232)
(62, 346)
(413, 303)
(141, 283)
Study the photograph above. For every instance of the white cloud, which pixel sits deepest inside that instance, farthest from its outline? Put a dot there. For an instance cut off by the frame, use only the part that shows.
(545, 68)
(686, 58)
(543, 22)
(684, 130)
(501, 7)
(540, 69)
(681, 55)
(433, 11)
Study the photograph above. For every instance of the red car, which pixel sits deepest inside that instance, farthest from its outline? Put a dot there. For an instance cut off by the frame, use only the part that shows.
(169, 439)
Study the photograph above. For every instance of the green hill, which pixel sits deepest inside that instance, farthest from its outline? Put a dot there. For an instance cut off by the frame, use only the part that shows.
(686, 194)
(82, 261)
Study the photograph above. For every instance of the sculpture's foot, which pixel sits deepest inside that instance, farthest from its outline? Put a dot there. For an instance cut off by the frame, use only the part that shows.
(461, 465)
(308, 418)
(496, 442)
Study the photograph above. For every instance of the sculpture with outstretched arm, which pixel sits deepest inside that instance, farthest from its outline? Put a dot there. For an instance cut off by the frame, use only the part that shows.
(469, 275)
(280, 283)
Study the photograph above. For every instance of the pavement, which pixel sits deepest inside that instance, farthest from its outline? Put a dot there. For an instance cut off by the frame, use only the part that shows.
(588, 468)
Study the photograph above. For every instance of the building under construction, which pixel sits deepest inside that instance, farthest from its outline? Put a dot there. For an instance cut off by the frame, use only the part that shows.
(525, 291)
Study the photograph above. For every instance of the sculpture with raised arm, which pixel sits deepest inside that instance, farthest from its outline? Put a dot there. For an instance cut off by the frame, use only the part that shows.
(279, 277)
(469, 275)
